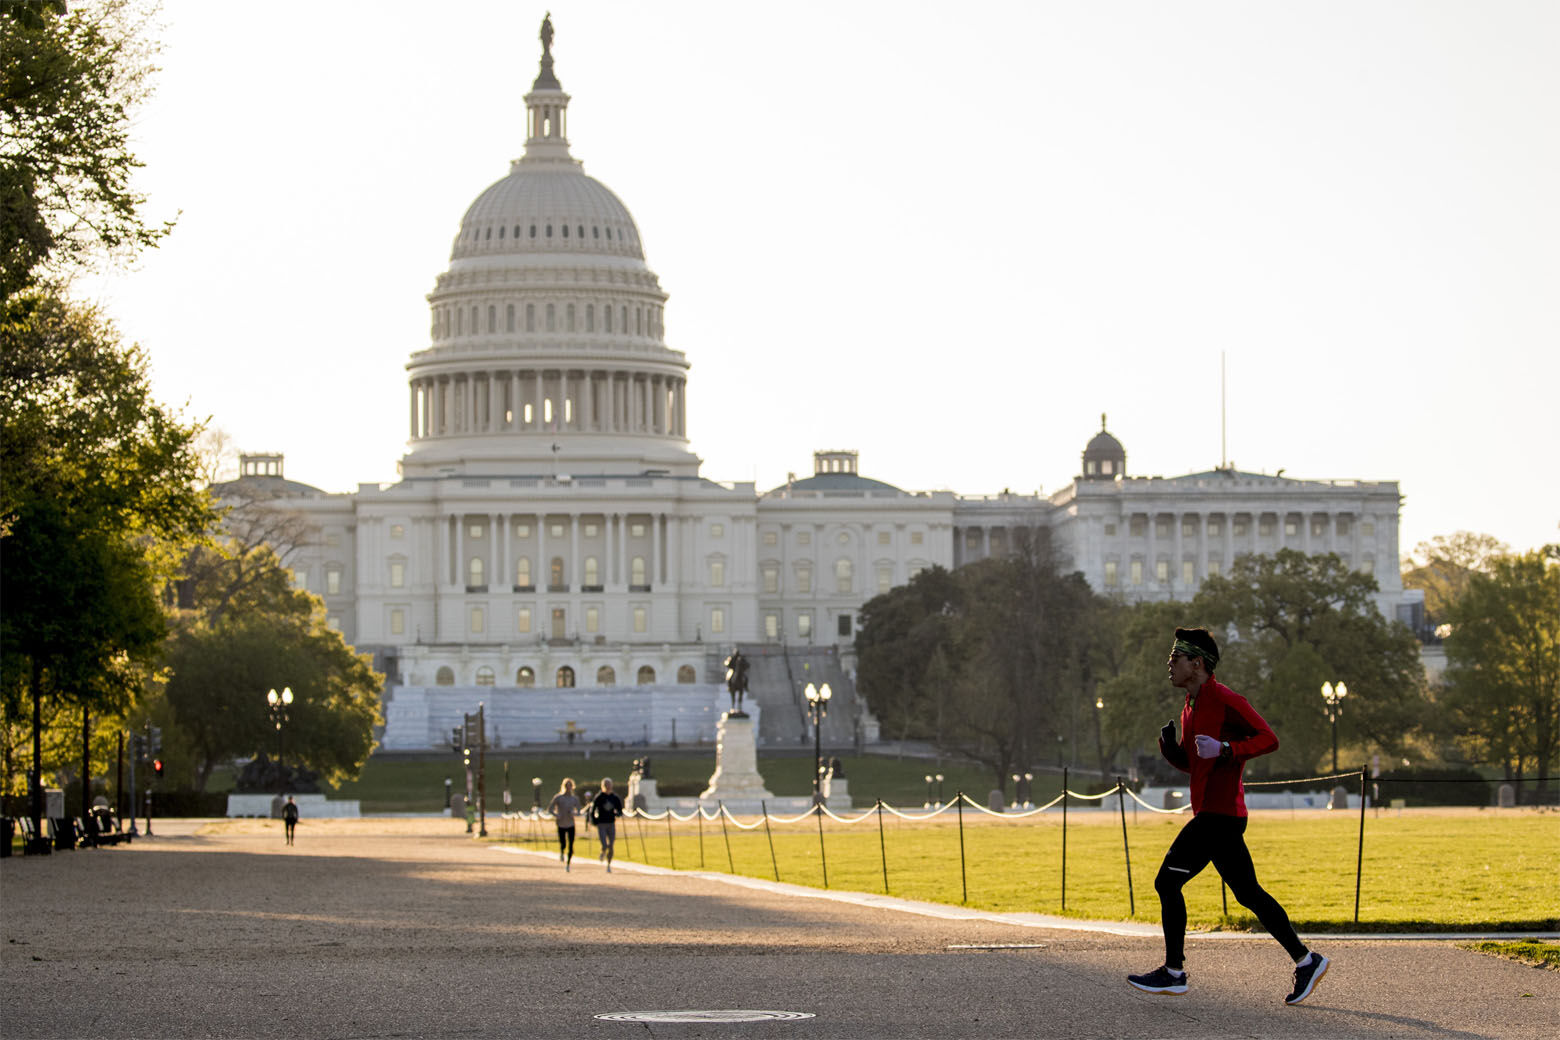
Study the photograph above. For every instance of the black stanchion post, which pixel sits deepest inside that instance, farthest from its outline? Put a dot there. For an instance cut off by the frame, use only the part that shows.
(770, 835)
(1224, 896)
(882, 846)
(1359, 861)
(823, 857)
(1121, 800)
(1064, 837)
(671, 850)
(721, 808)
(964, 878)
(699, 810)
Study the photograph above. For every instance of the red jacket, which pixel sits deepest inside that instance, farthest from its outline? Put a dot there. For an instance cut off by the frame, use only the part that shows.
(1226, 716)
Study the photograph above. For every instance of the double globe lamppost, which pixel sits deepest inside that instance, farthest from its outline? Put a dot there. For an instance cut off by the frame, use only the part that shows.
(817, 708)
(1334, 696)
(278, 703)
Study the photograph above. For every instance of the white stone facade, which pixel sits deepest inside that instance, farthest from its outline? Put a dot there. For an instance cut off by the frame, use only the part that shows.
(551, 530)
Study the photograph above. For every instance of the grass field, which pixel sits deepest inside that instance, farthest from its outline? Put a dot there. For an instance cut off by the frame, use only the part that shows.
(1423, 870)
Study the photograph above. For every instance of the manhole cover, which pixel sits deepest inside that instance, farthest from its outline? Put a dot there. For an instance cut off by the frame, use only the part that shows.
(704, 1016)
(997, 946)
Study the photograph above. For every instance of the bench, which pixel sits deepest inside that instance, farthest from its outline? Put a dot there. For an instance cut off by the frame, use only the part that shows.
(33, 843)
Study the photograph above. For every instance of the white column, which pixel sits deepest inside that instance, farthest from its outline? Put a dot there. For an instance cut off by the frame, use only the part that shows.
(442, 564)
(1150, 559)
(657, 526)
(572, 567)
(563, 400)
(495, 565)
(541, 577)
(622, 544)
(514, 400)
(1175, 564)
(495, 416)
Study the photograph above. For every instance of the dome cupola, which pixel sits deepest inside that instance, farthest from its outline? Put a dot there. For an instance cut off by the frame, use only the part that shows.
(1104, 458)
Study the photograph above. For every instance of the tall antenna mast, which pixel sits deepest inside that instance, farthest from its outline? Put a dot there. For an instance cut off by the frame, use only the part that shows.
(1223, 453)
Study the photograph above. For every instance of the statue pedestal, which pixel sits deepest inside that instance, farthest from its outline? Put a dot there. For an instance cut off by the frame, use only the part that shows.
(735, 782)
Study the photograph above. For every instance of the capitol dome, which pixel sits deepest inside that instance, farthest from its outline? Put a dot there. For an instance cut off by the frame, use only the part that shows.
(547, 348)
(1103, 457)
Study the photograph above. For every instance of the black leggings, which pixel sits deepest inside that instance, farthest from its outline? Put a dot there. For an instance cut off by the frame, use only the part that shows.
(1216, 838)
(566, 842)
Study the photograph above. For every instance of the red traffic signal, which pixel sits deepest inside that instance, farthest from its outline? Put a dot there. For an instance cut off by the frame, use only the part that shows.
(157, 767)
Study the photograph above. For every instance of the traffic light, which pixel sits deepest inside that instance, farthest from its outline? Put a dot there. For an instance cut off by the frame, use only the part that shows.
(157, 767)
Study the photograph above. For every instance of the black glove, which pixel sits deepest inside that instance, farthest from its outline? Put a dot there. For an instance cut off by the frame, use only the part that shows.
(1167, 734)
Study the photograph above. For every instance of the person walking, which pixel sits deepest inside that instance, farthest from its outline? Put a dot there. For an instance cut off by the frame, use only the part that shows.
(290, 818)
(605, 808)
(1220, 730)
(563, 807)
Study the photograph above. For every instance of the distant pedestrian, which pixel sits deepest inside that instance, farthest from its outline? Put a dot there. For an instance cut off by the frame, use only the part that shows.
(290, 818)
(563, 807)
(605, 808)
(1220, 730)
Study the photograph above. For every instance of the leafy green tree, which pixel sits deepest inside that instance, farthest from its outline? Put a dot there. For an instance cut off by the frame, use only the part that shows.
(69, 84)
(1131, 646)
(1299, 621)
(903, 633)
(1503, 664)
(1444, 566)
(267, 635)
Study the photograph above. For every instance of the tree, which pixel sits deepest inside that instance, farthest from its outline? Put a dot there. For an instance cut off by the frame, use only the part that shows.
(97, 499)
(267, 635)
(1503, 663)
(1444, 566)
(903, 632)
(1298, 621)
(69, 84)
(1130, 650)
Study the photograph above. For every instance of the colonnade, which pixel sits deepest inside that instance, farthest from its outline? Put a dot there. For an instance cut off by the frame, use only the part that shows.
(548, 400)
(658, 553)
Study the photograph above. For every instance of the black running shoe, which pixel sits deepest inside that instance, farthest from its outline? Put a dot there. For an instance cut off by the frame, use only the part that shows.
(1307, 977)
(1160, 980)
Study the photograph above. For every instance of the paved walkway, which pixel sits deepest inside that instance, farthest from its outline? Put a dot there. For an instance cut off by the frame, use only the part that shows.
(397, 928)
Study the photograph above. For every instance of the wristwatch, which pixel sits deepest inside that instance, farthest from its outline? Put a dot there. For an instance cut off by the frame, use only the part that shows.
(1224, 750)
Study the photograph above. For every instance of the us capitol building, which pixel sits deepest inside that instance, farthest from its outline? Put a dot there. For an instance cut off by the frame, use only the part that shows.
(552, 550)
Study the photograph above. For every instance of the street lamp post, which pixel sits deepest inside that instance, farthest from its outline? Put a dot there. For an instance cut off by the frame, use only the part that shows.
(939, 790)
(928, 804)
(278, 703)
(1334, 696)
(817, 708)
(1099, 738)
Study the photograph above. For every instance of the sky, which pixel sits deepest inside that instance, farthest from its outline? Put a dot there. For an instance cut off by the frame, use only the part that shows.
(949, 237)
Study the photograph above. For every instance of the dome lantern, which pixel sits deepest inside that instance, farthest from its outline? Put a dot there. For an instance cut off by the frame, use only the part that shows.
(547, 108)
(1104, 458)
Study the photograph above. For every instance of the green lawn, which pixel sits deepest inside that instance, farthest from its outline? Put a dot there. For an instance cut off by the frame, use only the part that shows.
(1426, 870)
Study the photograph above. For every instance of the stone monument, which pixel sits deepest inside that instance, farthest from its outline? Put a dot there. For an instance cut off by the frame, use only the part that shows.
(735, 782)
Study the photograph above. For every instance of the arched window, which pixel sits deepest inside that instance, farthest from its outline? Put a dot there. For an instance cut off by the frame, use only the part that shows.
(556, 572)
(605, 676)
(509, 318)
(492, 318)
(646, 675)
(445, 676)
(568, 318)
(475, 328)
(636, 570)
(523, 571)
(530, 314)
(622, 313)
(686, 674)
(592, 571)
(842, 576)
(475, 569)
(565, 677)
(484, 676)
(525, 678)
(552, 318)
(606, 317)
(590, 317)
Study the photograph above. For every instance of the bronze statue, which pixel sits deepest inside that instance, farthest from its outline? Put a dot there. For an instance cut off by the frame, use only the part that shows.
(736, 680)
(547, 33)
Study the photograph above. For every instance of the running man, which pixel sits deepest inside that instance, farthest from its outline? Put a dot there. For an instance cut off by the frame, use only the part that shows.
(1220, 730)
(563, 807)
(605, 808)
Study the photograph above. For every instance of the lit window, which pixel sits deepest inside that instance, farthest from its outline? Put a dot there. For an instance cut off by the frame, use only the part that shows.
(1162, 571)
(771, 626)
(1367, 564)
(636, 529)
(476, 530)
(1188, 527)
(478, 620)
(804, 580)
(591, 529)
(1188, 572)
(804, 538)
(636, 571)
(1265, 527)
(843, 576)
(1137, 572)
(555, 530)
(917, 537)
(592, 620)
(717, 620)
(771, 538)
(525, 678)
(522, 530)
(592, 571)
(476, 570)
(397, 621)
(397, 531)
(804, 625)
(484, 676)
(1215, 527)
(1214, 567)
(717, 573)
(639, 619)
(605, 676)
(1291, 527)
(333, 582)
(884, 538)
(771, 578)
(523, 620)
(1110, 574)
(397, 574)
(300, 578)
(523, 571)
(1318, 527)
(556, 572)
(843, 538)
(565, 677)
(646, 675)
(717, 530)
(445, 676)
(885, 577)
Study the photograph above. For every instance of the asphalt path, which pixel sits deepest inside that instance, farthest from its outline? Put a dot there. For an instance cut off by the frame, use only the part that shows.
(410, 929)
